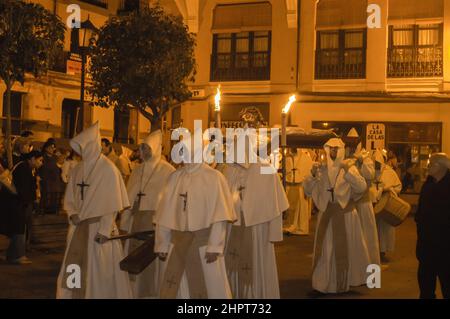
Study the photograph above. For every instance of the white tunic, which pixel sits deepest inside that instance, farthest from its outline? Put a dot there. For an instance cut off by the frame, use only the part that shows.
(147, 179)
(105, 196)
(388, 179)
(324, 278)
(263, 196)
(367, 215)
(299, 213)
(206, 203)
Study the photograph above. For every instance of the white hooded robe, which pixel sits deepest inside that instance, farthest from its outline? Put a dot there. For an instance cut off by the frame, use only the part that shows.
(104, 197)
(346, 185)
(148, 178)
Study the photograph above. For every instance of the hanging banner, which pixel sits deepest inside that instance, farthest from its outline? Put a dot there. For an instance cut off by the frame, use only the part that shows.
(375, 136)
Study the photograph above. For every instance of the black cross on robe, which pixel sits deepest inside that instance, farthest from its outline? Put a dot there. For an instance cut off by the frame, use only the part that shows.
(377, 183)
(140, 195)
(185, 200)
(331, 190)
(82, 186)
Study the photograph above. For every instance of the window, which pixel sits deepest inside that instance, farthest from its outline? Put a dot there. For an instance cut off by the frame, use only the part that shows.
(121, 124)
(243, 56)
(415, 51)
(98, 3)
(341, 54)
(70, 109)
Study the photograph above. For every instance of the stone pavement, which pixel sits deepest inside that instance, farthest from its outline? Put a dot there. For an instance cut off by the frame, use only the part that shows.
(294, 257)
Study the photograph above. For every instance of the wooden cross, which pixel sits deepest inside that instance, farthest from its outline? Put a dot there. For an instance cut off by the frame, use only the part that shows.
(185, 200)
(82, 186)
(331, 190)
(140, 195)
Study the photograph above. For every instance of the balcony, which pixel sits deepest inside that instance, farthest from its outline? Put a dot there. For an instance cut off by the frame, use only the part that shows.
(415, 62)
(127, 6)
(98, 3)
(340, 64)
(240, 66)
(60, 61)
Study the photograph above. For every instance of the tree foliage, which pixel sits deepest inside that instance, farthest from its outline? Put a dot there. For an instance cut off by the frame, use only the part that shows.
(29, 36)
(143, 60)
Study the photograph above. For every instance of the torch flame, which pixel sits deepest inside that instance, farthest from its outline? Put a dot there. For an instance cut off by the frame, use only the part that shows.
(217, 99)
(292, 99)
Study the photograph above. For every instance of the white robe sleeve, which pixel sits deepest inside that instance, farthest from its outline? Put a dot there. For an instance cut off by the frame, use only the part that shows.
(106, 225)
(276, 229)
(356, 181)
(309, 184)
(217, 237)
(163, 236)
(126, 219)
(368, 169)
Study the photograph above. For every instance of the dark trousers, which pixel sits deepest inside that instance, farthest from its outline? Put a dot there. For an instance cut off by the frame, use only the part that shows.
(429, 271)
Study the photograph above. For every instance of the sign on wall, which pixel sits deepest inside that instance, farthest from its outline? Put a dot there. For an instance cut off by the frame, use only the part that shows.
(375, 136)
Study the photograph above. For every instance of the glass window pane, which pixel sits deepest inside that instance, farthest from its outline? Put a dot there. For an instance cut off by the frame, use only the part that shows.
(354, 40)
(329, 40)
(242, 45)
(223, 45)
(261, 44)
(429, 37)
(403, 37)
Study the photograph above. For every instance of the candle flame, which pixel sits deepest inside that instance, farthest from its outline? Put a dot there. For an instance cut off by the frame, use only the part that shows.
(292, 99)
(217, 99)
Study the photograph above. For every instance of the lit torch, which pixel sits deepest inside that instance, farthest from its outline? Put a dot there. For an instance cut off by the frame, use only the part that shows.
(284, 113)
(217, 99)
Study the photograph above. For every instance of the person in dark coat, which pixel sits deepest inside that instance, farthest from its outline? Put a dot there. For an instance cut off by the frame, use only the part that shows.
(25, 183)
(433, 229)
(50, 179)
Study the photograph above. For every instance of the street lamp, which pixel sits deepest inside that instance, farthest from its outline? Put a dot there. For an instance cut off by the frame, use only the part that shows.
(86, 34)
(284, 117)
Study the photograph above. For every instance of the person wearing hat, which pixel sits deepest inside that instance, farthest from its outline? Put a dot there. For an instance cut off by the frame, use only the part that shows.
(433, 229)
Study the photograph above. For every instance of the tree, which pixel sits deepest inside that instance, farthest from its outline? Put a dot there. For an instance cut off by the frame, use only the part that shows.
(29, 35)
(142, 60)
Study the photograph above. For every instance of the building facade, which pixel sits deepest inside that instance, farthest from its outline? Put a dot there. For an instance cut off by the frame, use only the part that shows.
(390, 82)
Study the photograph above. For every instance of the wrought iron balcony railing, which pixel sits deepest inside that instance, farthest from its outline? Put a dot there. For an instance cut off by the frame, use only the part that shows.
(415, 62)
(340, 64)
(240, 66)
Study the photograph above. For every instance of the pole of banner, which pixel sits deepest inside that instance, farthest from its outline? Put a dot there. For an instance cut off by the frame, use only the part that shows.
(217, 117)
(284, 117)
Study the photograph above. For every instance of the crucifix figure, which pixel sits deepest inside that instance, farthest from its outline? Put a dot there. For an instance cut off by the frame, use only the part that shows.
(140, 195)
(184, 200)
(82, 186)
(331, 190)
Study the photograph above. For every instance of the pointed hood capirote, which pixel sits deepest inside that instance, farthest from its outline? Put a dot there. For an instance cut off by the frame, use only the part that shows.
(150, 176)
(87, 144)
(104, 191)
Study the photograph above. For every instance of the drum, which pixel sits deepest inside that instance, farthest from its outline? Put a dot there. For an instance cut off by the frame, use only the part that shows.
(392, 209)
